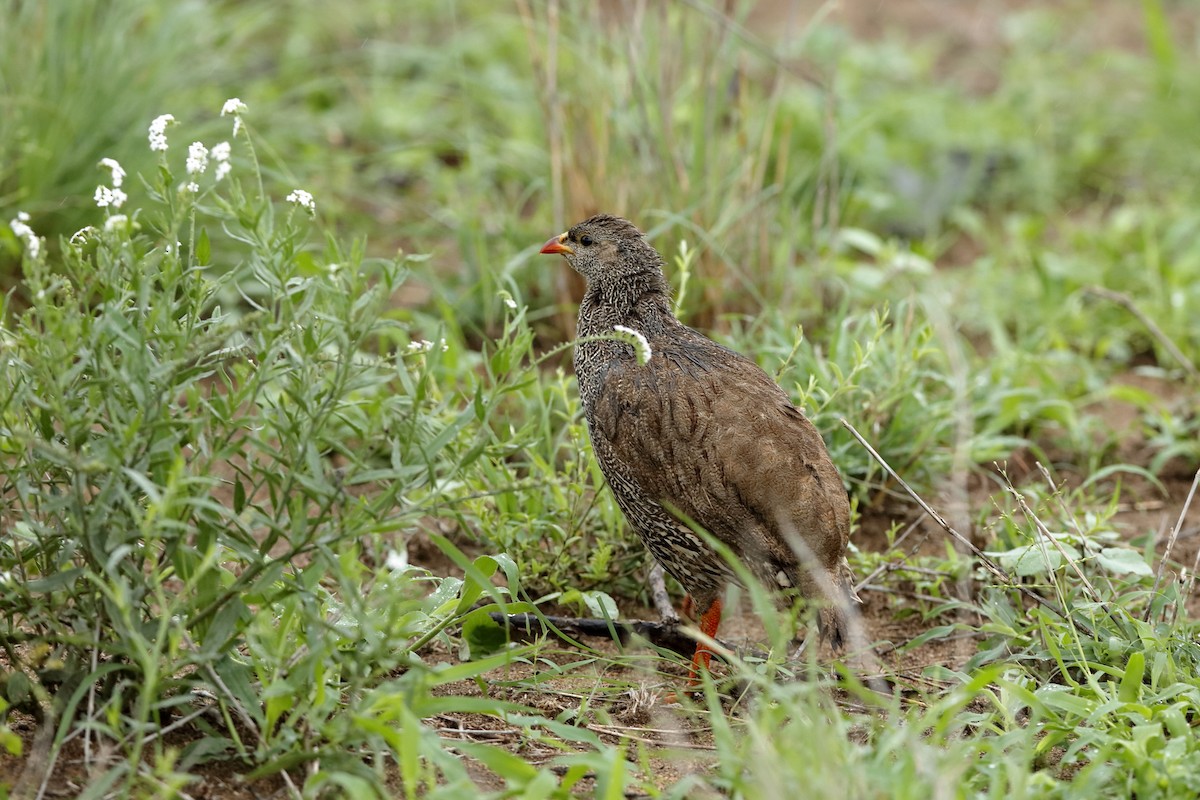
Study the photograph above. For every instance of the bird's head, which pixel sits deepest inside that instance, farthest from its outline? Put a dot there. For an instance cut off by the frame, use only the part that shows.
(605, 248)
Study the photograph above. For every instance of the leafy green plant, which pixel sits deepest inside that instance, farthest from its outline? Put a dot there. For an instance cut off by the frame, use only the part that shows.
(190, 509)
(75, 88)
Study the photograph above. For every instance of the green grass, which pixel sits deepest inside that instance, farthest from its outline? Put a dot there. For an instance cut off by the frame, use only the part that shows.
(264, 473)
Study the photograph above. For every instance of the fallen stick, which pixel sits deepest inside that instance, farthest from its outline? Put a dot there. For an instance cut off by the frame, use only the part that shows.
(668, 636)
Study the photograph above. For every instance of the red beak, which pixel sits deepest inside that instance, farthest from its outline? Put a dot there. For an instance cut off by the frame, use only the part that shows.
(557, 245)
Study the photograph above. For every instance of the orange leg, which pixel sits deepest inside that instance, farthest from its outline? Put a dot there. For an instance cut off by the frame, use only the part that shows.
(710, 620)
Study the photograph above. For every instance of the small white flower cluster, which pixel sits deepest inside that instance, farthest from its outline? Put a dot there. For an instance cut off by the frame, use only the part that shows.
(114, 197)
(424, 346)
(397, 560)
(158, 132)
(118, 172)
(234, 106)
(303, 199)
(21, 228)
(197, 163)
(220, 154)
(198, 154)
(644, 351)
(197, 160)
(83, 234)
(106, 197)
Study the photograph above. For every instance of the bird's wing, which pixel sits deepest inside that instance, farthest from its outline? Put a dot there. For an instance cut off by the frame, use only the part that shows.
(704, 430)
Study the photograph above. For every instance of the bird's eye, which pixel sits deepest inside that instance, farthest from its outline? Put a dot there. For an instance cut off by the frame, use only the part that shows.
(585, 240)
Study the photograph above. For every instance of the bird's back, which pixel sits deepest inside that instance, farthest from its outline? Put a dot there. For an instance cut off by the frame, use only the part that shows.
(703, 431)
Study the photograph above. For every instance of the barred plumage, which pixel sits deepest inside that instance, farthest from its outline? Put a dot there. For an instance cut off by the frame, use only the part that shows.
(701, 433)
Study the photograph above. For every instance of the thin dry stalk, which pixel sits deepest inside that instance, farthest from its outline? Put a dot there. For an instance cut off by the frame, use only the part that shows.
(1127, 303)
(891, 566)
(1046, 536)
(248, 721)
(988, 563)
(1057, 494)
(1162, 564)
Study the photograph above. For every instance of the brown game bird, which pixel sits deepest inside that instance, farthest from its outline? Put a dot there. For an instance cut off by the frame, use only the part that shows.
(700, 433)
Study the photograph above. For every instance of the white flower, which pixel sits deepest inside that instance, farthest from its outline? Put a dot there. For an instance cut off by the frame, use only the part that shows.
(508, 299)
(397, 560)
(32, 243)
(158, 132)
(302, 198)
(192, 187)
(106, 197)
(220, 154)
(424, 346)
(197, 160)
(80, 236)
(118, 173)
(644, 351)
(115, 221)
(235, 107)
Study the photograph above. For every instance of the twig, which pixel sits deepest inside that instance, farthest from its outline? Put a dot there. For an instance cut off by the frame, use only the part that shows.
(621, 733)
(984, 559)
(891, 565)
(658, 591)
(248, 721)
(928, 598)
(1126, 302)
(1162, 564)
(1041, 528)
(668, 636)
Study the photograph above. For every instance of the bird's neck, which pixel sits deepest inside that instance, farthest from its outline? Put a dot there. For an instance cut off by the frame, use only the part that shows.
(641, 302)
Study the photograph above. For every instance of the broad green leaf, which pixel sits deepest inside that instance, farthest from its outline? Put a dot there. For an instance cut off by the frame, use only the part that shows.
(1131, 681)
(1123, 561)
(203, 248)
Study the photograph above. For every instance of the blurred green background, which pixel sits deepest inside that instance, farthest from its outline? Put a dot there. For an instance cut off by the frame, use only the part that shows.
(759, 132)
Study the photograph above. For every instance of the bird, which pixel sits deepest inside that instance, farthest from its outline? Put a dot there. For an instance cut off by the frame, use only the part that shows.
(697, 434)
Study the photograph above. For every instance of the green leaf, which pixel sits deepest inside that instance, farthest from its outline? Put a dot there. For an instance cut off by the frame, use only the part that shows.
(203, 248)
(59, 580)
(601, 604)
(1131, 682)
(1123, 561)
(483, 634)
(476, 581)
(1034, 559)
(238, 679)
(517, 771)
(1158, 37)
(239, 496)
